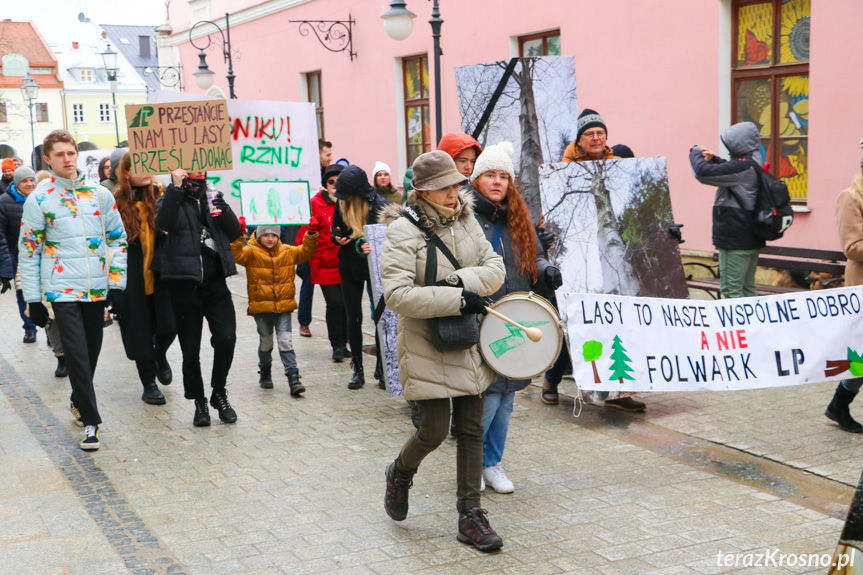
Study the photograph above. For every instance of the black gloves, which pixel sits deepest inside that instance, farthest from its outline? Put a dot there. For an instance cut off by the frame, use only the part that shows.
(546, 238)
(674, 233)
(7, 284)
(115, 301)
(553, 278)
(473, 303)
(38, 313)
(219, 202)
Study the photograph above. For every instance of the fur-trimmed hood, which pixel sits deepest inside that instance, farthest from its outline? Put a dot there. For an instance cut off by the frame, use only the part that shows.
(390, 212)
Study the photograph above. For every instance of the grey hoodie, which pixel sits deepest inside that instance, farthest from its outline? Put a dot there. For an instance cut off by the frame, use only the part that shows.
(111, 180)
(737, 185)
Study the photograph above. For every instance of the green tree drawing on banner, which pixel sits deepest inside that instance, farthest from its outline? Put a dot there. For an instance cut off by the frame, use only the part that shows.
(592, 350)
(253, 208)
(620, 361)
(274, 205)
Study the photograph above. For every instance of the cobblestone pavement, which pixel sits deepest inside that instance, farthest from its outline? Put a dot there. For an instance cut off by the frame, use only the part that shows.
(296, 485)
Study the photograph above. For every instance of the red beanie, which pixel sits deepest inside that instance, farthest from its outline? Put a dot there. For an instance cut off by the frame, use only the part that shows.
(455, 143)
(7, 164)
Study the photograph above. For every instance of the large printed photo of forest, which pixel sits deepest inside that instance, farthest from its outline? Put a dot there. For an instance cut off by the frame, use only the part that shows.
(612, 219)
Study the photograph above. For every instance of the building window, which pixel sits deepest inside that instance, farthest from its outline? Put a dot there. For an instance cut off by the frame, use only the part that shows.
(78, 113)
(3, 116)
(40, 112)
(415, 71)
(86, 75)
(316, 95)
(544, 44)
(104, 112)
(770, 83)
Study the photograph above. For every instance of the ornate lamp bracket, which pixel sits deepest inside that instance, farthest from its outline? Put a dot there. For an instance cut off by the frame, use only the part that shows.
(334, 35)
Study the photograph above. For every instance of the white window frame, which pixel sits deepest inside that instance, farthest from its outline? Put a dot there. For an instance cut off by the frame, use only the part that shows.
(76, 108)
(101, 118)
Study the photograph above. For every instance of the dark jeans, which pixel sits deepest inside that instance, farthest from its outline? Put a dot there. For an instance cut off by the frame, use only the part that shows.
(434, 427)
(337, 323)
(147, 368)
(192, 304)
(307, 294)
(555, 374)
(80, 325)
(22, 307)
(352, 292)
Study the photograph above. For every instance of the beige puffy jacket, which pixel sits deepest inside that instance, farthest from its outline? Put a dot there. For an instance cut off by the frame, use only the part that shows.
(425, 371)
(849, 219)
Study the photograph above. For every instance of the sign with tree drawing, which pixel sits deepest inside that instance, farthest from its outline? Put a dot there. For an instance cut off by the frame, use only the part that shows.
(275, 203)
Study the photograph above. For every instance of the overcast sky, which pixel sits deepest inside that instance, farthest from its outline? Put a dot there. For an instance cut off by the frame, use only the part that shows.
(48, 14)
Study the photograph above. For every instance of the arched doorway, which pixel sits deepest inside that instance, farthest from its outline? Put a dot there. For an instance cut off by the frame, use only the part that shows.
(87, 146)
(7, 151)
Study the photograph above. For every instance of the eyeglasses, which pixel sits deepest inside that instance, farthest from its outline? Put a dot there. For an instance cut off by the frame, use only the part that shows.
(331, 182)
(594, 134)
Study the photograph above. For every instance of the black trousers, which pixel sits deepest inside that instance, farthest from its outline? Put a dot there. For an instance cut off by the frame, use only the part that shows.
(337, 327)
(192, 303)
(352, 292)
(433, 430)
(80, 325)
(147, 368)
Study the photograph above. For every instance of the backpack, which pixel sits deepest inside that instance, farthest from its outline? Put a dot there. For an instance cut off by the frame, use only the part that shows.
(773, 214)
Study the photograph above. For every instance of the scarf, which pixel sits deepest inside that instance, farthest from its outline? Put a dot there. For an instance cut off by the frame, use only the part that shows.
(446, 215)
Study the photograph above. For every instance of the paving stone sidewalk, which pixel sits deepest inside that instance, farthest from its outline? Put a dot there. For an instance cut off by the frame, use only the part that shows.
(296, 485)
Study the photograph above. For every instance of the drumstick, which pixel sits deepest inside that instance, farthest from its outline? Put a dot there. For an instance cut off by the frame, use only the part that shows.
(533, 333)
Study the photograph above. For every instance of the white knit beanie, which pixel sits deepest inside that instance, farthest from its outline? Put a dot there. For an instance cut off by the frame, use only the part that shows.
(381, 167)
(494, 157)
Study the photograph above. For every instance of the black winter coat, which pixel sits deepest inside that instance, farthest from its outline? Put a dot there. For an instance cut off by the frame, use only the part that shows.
(487, 214)
(737, 187)
(178, 237)
(4, 184)
(10, 224)
(352, 263)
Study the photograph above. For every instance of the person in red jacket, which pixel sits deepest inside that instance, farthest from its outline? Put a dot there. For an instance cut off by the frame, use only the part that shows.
(325, 263)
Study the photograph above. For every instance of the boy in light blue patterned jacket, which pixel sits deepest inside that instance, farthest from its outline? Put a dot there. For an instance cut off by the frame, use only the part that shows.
(66, 225)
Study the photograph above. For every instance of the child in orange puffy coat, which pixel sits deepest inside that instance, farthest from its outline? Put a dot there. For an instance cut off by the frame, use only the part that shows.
(270, 268)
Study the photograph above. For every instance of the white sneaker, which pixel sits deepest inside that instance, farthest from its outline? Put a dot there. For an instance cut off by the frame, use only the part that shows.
(495, 477)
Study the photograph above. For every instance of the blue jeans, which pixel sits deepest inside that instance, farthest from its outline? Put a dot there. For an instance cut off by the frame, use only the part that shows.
(853, 384)
(307, 294)
(22, 307)
(495, 424)
(281, 323)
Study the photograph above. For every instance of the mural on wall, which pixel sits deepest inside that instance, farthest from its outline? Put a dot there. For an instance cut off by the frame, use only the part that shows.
(612, 219)
(536, 110)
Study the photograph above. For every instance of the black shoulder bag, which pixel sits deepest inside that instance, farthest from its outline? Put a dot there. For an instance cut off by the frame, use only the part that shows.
(451, 333)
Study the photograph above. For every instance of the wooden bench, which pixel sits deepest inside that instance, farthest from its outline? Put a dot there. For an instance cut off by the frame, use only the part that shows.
(783, 258)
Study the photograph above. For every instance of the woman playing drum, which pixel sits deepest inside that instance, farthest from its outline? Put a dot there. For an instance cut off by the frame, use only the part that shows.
(504, 217)
(431, 376)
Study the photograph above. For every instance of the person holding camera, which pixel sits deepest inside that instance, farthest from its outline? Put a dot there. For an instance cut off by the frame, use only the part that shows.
(433, 375)
(194, 230)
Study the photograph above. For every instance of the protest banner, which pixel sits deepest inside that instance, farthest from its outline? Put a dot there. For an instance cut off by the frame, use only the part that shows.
(271, 142)
(88, 162)
(620, 343)
(279, 203)
(388, 324)
(194, 136)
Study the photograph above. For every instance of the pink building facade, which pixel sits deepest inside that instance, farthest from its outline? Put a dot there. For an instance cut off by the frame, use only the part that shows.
(661, 73)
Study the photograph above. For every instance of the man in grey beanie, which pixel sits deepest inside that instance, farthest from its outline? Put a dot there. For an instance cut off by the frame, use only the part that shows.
(11, 208)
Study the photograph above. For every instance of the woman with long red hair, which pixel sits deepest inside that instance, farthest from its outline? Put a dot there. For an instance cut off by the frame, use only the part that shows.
(146, 321)
(504, 217)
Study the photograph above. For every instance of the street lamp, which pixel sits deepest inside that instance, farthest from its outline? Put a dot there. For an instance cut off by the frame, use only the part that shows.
(109, 58)
(398, 24)
(29, 89)
(203, 75)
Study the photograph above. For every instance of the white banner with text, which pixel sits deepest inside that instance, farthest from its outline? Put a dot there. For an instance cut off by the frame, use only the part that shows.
(620, 343)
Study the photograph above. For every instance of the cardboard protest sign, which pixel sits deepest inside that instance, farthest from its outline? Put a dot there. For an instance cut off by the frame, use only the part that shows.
(389, 322)
(611, 219)
(194, 136)
(88, 162)
(271, 142)
(281, 203)
(622, 343)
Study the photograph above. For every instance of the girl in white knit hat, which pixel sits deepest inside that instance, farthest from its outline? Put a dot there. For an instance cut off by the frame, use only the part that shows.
(383, 181)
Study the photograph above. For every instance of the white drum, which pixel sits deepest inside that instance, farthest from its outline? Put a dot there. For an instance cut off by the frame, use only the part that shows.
(507, 349)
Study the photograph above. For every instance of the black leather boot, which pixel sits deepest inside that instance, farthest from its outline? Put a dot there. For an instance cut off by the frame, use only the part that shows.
(266, 380)
(294, 382)
(61, 370)
(152, 395)
(163, 371)
(839, 411)
(358, 379)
